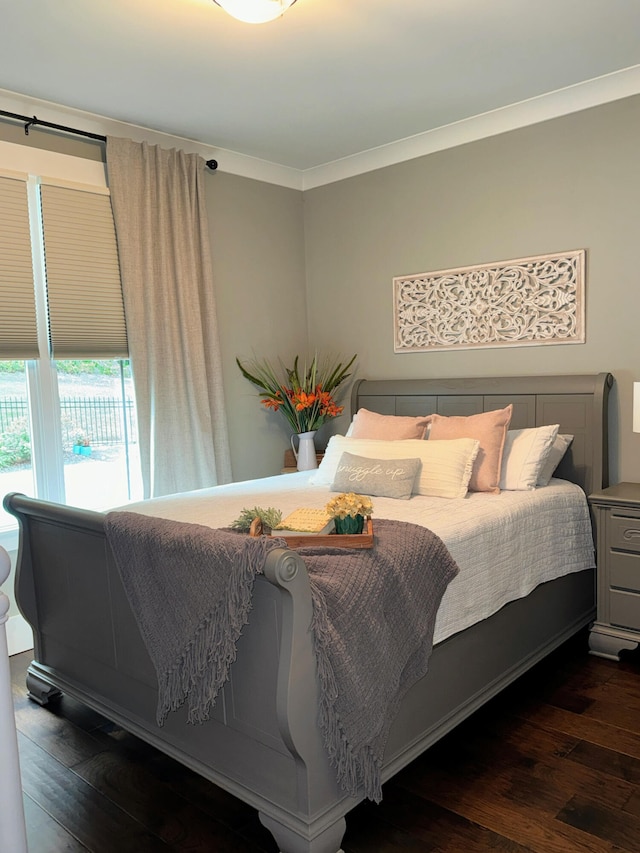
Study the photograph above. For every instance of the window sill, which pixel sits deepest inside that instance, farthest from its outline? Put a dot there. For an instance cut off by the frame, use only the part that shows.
(9, 538)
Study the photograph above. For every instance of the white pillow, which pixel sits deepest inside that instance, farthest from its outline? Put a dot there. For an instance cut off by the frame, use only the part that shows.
(558, 449)
(446, 465)
(524, 455)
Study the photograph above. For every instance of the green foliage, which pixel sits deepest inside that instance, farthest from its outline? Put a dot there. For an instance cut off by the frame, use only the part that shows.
(73, 367)
(96, 368)
(270, 517)
(11, 366)
(15, 444)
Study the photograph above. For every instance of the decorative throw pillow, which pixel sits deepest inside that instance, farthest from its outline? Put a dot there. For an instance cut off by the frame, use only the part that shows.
(368, 424)
(557, 451)
(387, 478)
(525, 452)
(446, 465)
(490, 429)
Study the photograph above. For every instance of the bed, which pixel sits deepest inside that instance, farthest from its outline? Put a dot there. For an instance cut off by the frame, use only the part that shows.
(263, 742)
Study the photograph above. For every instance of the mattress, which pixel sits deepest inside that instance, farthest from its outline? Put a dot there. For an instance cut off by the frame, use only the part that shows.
(505, 545)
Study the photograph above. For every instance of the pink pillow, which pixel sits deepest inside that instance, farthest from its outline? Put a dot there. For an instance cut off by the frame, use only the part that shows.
(490, 429)
(368, 424)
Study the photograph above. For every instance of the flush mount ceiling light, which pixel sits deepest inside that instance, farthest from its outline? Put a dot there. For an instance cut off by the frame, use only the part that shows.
(255, 11)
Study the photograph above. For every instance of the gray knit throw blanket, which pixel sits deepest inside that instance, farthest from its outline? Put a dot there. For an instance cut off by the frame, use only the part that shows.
(189, 587)
(374, 617)
(373, 623)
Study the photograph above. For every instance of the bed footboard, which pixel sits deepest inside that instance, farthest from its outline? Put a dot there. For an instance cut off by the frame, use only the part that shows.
(261, 742)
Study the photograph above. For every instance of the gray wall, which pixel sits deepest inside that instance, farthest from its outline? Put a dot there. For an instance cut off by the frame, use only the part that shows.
(257, 244)
(569, 183)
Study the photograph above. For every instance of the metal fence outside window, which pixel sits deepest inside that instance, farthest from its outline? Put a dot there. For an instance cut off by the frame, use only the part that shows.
(96, 420)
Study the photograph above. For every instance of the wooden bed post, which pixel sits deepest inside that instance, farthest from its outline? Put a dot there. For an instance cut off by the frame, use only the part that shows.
(297, 703)
(13, 834)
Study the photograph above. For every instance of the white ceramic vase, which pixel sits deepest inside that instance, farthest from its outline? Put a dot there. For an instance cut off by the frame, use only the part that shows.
(306, 451)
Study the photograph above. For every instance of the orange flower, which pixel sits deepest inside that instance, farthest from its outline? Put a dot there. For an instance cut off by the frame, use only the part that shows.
(328, 406)
(303, 400)
(270, 403)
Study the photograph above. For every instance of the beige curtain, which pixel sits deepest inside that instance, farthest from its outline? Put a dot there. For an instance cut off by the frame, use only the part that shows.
(163, 244)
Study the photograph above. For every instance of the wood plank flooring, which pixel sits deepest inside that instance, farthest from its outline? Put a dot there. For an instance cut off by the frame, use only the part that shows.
(550, 766)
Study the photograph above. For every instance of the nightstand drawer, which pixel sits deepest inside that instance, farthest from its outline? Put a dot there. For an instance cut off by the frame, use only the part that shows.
(624, 609)
(624, 570)
(616, 511)
(624, 533)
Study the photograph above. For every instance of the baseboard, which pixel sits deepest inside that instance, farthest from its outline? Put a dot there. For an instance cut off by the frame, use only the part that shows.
(19, 635)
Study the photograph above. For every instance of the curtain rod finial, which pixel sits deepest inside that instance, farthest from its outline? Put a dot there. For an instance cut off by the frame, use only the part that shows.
(212, 164)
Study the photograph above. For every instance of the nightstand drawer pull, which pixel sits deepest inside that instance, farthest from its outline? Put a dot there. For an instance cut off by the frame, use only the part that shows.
(625, 533)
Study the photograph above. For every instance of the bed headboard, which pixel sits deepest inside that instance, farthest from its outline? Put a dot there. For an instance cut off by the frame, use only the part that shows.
(578, 403)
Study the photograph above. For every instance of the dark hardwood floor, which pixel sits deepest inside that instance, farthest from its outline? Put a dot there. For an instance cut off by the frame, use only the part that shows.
(552, 766)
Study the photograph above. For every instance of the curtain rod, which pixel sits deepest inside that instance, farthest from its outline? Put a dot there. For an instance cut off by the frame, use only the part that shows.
(33, 121)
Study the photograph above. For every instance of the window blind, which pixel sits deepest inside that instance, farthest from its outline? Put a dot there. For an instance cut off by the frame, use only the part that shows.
(18, 328)
(84, 292)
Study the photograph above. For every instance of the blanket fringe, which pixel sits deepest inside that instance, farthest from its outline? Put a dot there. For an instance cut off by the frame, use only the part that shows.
(354, 768)
(203, 668)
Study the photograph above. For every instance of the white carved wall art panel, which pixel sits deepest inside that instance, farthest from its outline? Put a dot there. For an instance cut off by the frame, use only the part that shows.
(524, 302)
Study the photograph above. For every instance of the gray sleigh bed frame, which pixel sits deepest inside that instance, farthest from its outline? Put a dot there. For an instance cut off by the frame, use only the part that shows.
(262, 742)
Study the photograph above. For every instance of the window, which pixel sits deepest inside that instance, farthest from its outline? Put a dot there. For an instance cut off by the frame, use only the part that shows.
(67, 416)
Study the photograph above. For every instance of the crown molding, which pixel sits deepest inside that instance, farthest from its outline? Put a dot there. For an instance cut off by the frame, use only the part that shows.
(229, 161)
(581, 96)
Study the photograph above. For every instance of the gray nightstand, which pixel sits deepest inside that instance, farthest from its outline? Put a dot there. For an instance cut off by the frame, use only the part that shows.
(617, 516)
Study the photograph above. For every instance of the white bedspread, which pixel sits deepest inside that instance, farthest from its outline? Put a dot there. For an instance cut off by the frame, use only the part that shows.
(505, 545)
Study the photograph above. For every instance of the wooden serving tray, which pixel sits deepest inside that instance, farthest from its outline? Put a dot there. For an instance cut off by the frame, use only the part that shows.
(331, 540)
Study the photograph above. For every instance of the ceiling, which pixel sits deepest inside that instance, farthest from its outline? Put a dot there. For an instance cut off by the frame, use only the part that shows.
(328, 80)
